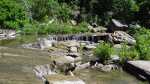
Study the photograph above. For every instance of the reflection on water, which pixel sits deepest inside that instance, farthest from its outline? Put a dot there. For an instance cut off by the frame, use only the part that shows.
(19, 40)
(115, 77)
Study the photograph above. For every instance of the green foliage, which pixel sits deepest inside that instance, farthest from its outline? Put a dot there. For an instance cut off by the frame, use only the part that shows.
(143, 15)
(124, 9)
(55, 28)
(143, 43)
(128, 53)
(30, 28)
(12, 14)
(103, 52)
(50, 8)
(40, 8)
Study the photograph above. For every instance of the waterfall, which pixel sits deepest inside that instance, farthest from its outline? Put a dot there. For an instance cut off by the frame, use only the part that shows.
(76, 37)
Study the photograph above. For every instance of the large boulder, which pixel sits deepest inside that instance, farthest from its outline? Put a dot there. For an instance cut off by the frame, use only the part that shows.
(121, 37)
(117, 25)
(61, 79)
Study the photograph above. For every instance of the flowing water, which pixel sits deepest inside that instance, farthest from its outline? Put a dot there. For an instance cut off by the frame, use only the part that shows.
(16, 66)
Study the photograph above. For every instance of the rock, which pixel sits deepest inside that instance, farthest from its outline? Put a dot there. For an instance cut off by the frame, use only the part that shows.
(72, 59)
(116, 25)
(7, 34)
(67, 82)
(138, 68)
(45, 43)
(89, 47)
(121, 37)
(61, 79)
(74, 55)
(115, 58)
(99, 65)
(43, 70)
(73, 49)
(84, 43)
(83, 66)
(66, 59)
(72, 44)
(108, 68)
(73, 22)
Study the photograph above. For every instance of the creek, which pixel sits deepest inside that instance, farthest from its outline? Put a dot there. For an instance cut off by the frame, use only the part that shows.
(20, 66)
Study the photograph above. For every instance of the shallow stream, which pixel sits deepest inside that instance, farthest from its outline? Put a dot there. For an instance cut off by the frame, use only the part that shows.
(89, 76)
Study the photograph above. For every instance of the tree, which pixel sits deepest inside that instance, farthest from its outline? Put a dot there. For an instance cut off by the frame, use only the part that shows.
(12, 14)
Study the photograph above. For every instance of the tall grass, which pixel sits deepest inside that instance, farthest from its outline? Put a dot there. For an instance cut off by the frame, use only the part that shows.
(103, 52)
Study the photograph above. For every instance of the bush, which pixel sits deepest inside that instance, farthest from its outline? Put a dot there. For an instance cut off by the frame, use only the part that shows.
(50, 8)
(30, 28)
(12, 14)
(128, 53)
(103, 52)
(55, 28)
(143, 43)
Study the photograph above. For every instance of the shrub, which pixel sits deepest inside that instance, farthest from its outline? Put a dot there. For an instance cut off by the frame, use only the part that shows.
(30, 28)
(12, 14)
(103, 52)
(143, 43)
(62, 28)
(127, 53)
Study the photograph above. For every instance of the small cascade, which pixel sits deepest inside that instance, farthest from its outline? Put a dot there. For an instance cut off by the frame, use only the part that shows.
(79, 37)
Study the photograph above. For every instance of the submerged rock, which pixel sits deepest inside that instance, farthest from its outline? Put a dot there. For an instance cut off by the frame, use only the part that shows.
(83, 66)
(109, 68)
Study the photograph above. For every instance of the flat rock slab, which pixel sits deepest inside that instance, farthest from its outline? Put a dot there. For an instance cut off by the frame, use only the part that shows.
(144, 65)
(62, 79)
(141, 69)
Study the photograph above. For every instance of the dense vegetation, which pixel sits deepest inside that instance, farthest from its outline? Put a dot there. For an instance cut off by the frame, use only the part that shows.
(54, 16)
(17, 13)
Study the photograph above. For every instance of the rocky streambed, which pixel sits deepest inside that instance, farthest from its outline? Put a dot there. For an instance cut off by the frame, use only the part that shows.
(68, 62)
